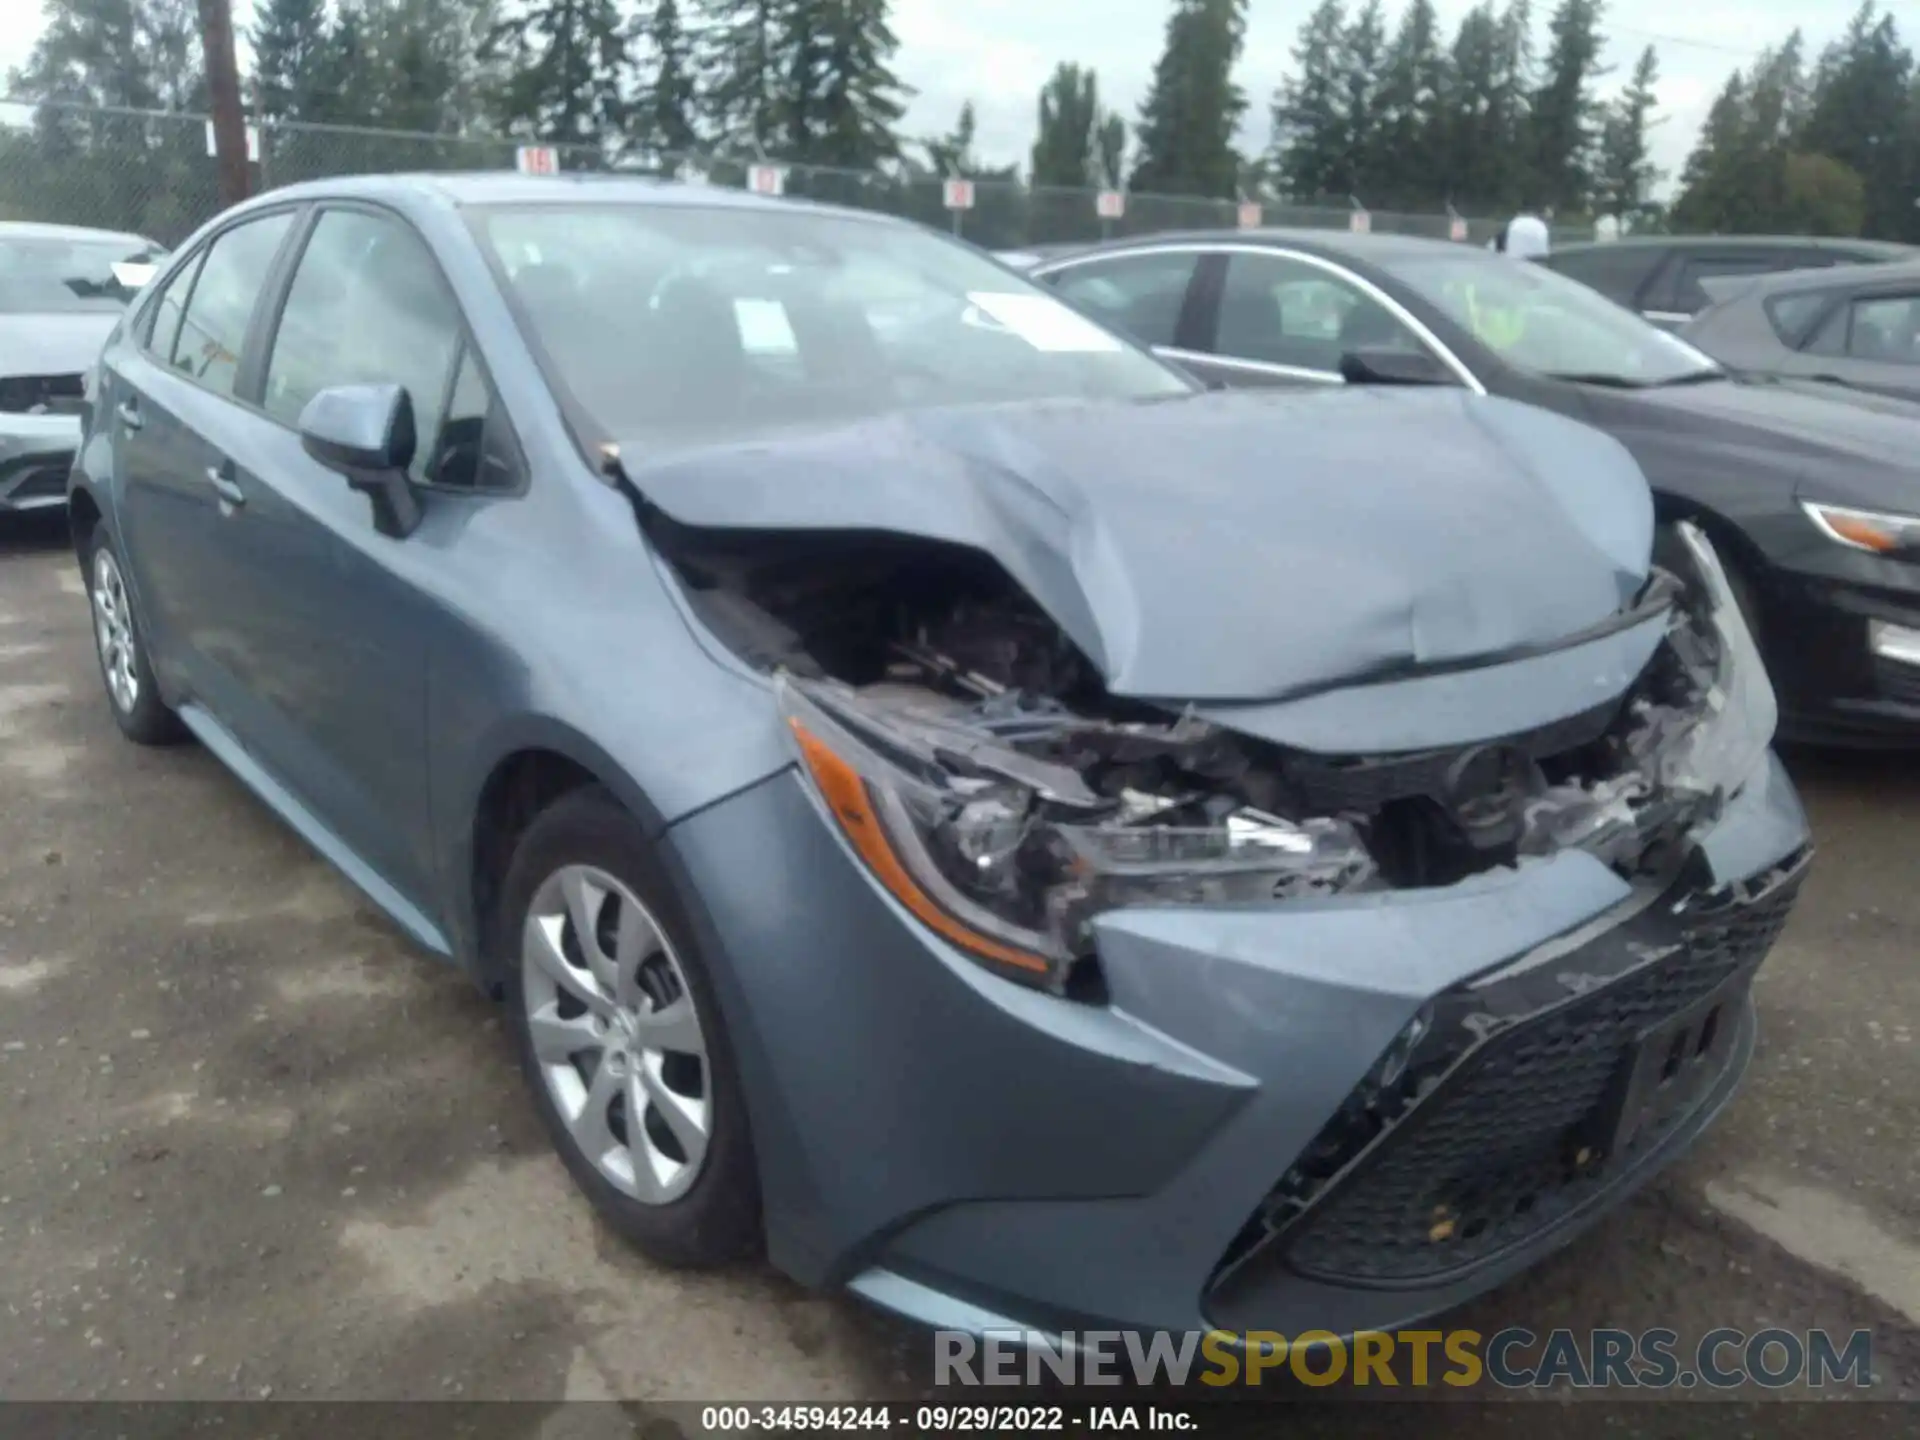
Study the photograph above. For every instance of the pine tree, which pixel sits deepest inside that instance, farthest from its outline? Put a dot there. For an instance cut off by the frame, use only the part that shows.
(951, 156)
(742, 81)
(413, 56)
(1625, 176)
(1407, 168)
(1069, 112)
(570, 64)
(170, 42)
(1561, 127)
(1775, 112)
(1510, 111)
(338, 94)
(1476, 165)
(1360, 62)
(801, 43)
(1709, 199)
(290, 38)
(859, 99)
(1308, 154)
(91, 52)
(665, 105)
(1193, 108)
(1858, 115)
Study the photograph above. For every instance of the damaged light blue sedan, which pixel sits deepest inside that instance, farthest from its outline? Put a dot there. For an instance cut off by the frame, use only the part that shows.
(941, 796)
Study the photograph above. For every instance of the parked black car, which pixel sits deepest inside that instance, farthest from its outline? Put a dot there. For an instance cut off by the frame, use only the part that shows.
(1664, 277)
(1813, 498)
(1858, 327)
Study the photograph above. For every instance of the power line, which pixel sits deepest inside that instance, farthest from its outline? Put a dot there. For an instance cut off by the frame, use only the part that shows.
(1686, 41)
(1691, 42)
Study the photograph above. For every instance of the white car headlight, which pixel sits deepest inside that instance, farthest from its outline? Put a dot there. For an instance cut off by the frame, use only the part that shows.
(1730, 741)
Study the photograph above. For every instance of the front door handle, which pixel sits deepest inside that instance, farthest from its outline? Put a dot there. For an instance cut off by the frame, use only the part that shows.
(225, 486)
(129, 414)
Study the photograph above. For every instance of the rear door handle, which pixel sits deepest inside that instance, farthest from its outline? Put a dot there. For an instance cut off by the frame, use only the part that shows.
(129, 414)
(225, 486)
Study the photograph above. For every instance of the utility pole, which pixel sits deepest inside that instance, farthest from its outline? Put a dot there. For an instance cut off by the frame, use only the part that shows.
(223, 87)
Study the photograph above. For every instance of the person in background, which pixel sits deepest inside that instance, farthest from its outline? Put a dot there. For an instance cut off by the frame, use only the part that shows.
(1524, 237)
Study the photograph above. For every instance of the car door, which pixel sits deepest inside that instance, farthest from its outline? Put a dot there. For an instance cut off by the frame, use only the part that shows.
(1284, 319)
(1868, 341)
(1155, 296)
(168, 393)
(338, 617)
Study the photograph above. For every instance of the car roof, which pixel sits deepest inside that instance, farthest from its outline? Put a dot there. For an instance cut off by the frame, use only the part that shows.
(35, 230)
(507, 187)
(1894, 272)
(1891, 249)
(1328, 242)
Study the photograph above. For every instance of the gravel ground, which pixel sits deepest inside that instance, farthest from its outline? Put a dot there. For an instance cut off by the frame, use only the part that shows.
(255, 1146)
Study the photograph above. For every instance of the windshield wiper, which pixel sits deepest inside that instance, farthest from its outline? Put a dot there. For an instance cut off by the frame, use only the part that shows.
(1596, 377)
(1692, 377)
(1627, 382)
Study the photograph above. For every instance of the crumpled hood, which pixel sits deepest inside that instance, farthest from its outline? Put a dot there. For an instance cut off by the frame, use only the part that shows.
(53, 344)
(1230, 546)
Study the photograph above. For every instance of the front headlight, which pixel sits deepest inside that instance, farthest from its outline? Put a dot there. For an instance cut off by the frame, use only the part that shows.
(1729, 739)
(1010, 857)
(1871, 530)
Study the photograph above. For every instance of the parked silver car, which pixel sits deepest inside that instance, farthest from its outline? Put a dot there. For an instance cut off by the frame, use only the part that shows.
(62, 290)
(1858, 328)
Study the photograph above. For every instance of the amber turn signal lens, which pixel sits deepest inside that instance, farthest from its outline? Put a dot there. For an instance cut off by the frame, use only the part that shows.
(1861, 531)
(847, 797)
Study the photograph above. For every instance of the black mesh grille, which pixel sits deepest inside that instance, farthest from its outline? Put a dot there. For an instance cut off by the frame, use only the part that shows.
(1897, 681)
(42, 482)
(42, 394)
(1513, 1138)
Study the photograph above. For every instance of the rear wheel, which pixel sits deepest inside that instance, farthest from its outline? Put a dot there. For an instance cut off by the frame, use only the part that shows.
(621, 1037)
(132, 693)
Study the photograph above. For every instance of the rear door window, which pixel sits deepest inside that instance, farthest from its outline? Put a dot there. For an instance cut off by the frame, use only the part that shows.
(1616, 271)
(1278, 310)
(1886, 328)
(1143, 295)
(1691, 299)
(213, 327)
(161, 322)
(1792, 316)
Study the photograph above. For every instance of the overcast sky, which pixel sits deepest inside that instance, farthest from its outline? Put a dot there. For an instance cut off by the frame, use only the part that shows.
(999, 52)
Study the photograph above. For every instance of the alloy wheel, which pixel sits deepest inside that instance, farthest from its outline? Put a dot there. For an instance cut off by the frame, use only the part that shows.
(615, 1034)
(113, 631)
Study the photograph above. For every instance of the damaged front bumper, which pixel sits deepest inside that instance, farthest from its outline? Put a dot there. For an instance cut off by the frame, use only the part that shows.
(1183, 1154)
(36, 452)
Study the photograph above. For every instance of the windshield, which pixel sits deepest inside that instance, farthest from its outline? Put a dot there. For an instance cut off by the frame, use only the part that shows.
(692, 325)
(1547, 324)
(42, 275)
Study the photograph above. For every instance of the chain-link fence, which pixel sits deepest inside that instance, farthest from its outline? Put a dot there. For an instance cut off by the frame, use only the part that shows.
(153, 173)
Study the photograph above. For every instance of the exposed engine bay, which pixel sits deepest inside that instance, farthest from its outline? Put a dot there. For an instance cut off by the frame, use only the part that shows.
(1028, 799)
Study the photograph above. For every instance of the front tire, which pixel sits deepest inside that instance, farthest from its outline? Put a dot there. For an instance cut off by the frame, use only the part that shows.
(133, 695)
(621, 1038)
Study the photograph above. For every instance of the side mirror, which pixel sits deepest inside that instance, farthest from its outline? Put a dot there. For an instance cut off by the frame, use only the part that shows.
(1393, 367)
(366, 433)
